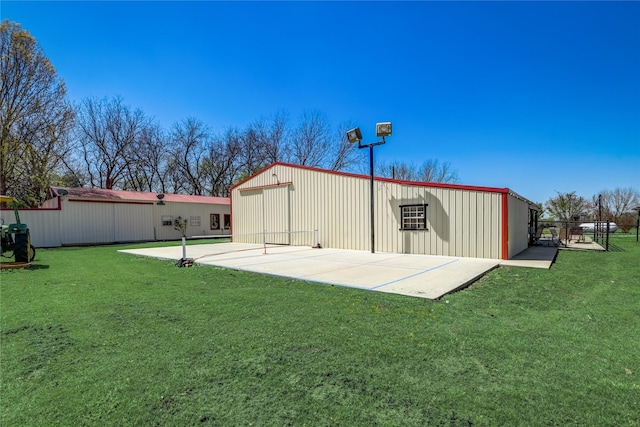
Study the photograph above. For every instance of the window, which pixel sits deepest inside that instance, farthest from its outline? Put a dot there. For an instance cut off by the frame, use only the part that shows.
(194, 221)
(227, 221)
(414, 217)
(167, 220)
(215, 221)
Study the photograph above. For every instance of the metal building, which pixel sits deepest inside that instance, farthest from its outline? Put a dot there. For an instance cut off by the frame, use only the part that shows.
(298, 205)
(83, 216)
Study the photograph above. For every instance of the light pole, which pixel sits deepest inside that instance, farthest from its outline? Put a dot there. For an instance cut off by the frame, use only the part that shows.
(637, 223)
(383, 129)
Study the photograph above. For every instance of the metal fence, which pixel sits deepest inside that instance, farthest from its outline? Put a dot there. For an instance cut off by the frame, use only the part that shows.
(566, 232)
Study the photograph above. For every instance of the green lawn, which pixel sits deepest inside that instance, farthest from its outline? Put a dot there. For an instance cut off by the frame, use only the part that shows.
(90, 336)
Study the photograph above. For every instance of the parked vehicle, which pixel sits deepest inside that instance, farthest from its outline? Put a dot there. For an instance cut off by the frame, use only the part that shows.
(590, 227)
(15, 240)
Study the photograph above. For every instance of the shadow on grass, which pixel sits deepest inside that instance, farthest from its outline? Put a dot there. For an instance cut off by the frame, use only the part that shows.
(38, 267)
(615, 248)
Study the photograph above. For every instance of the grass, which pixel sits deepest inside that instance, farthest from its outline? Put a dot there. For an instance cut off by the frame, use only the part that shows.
(90, 336)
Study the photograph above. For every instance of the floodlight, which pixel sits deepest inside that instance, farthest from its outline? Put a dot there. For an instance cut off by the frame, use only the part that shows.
(383, 129)
(354, 135)
(160, 196)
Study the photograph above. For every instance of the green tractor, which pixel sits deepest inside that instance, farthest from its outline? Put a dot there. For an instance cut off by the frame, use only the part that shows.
(14, 238)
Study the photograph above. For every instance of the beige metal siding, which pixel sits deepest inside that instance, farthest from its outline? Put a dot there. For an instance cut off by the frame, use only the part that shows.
(518, 225)
(131, 222)
(460, 222)
(85, 223)
(199, 211)
(276, 218)
(43, 224)
(81, 222)
(312, 205)
(249, 229)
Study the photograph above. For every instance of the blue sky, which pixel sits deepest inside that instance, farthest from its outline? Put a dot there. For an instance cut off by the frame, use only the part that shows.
(540, 97)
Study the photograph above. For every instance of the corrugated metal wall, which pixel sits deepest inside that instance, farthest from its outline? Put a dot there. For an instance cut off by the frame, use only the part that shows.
(460, 222)
(250, 228)
(84, 222)
(198, 217)
(44, 225)
(92, 223)
(518, 225)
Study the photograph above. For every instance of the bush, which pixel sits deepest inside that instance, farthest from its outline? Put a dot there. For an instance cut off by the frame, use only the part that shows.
(627, 222)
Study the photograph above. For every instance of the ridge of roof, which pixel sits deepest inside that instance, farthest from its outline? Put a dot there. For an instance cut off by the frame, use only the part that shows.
(377, 178)
(499, 190)
(125, 195)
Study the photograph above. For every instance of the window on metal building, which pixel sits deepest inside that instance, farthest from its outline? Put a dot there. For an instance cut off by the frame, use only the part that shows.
(414, 217)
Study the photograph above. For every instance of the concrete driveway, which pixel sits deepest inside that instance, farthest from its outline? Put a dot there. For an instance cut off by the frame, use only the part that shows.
(423, 276)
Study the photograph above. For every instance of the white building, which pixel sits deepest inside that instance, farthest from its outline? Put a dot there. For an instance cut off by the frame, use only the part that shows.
(298, 205)
(84, 216)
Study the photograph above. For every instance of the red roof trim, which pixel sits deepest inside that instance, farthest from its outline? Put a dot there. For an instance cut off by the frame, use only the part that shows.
(133, 196)
(113, 202)
(379, 179)
(264, 169)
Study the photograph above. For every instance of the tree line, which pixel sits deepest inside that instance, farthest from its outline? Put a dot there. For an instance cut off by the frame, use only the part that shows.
(618, 205)
(102, 142)
(120, 148)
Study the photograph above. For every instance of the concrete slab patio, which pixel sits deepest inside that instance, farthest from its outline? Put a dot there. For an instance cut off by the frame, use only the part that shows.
(533, 257)
(423, 276)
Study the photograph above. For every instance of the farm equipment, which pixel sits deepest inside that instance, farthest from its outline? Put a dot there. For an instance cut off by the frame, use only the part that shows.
(14, 238)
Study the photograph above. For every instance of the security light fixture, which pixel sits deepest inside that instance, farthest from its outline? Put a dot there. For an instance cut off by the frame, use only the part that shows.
(383, 129)
(160, 196)
(354, 135)
(62, 192)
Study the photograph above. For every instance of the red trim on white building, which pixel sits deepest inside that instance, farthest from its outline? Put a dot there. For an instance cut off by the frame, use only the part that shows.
(380, 179)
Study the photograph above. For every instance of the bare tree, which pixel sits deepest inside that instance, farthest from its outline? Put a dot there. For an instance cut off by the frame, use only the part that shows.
(270, 137)
(189, 146)
(434, 171)
(619, 201)
(311, 140)
(252, 150)
(220, 167)
(429, 171)
(148, 169)
(344, 155)
(108, 132)
(35, 117)
(566, 206)
(398, 170)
